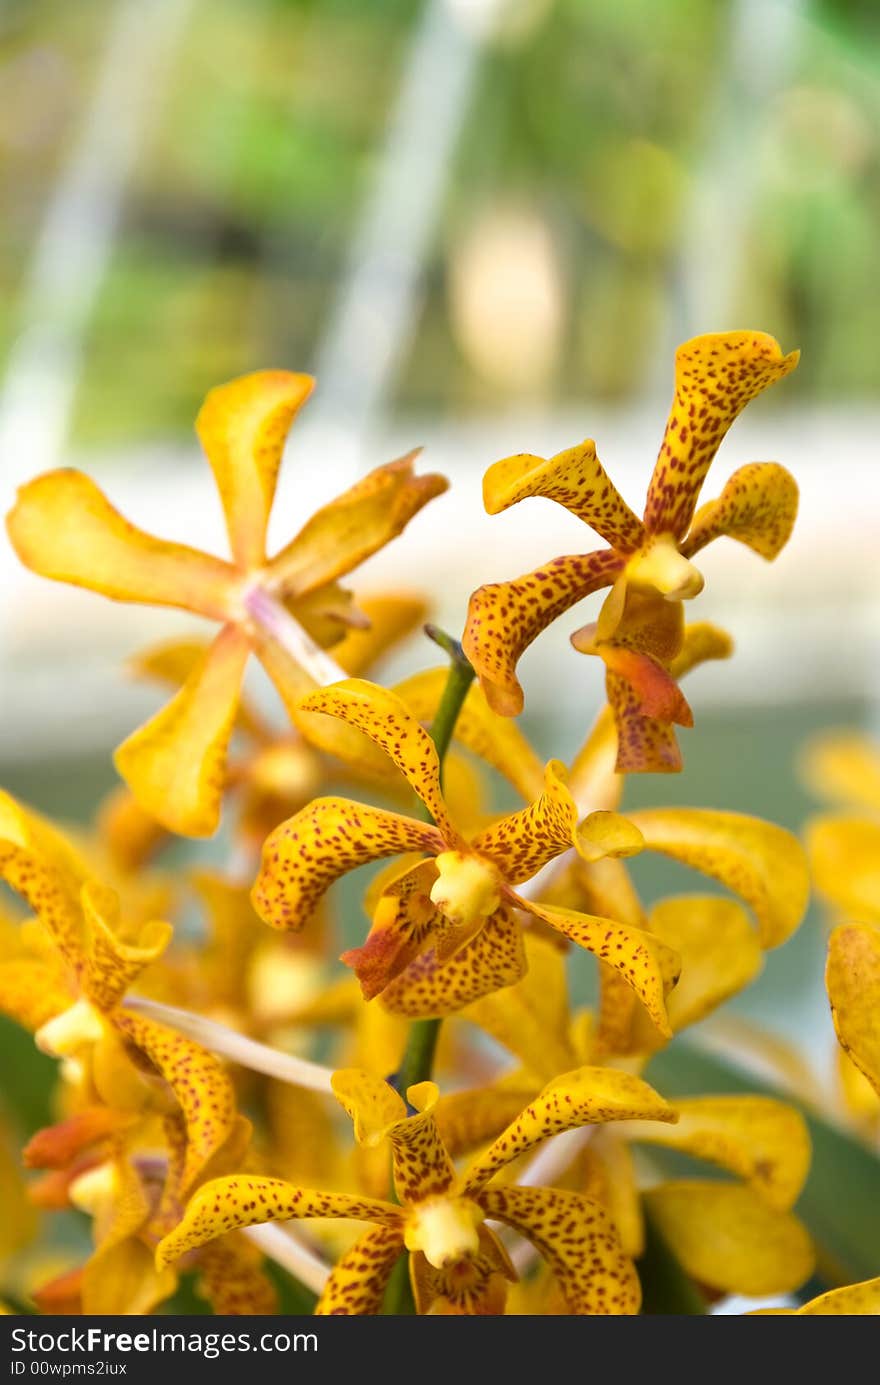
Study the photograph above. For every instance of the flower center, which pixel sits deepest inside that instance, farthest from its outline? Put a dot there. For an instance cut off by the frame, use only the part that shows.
(72, 1030)
(467, 888)
(444, 1229)
(660, 567)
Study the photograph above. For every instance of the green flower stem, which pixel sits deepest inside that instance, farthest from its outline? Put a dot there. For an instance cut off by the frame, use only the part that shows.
(417, 1062)
(418, 1056)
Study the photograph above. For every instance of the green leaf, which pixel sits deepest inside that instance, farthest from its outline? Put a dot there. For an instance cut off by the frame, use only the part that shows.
(840, 1204)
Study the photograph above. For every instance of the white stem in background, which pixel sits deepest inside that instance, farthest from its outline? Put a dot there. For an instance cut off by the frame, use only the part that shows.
(291, 1254)
(298, 1072)
(279, 624)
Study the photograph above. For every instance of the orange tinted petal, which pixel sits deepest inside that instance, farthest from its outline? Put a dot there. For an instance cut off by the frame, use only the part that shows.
(63, 527)
(505, 617)
(403, 923)
(243, 426)
(574, 478)
(175, 765)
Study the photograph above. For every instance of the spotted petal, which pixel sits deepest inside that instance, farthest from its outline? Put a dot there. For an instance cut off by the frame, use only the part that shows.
(760, 862)
(586, 1096)
(578, 1240)
(646, 744)
(420, 1161)
(199, 1082)
(243, 426)
(113, 962)
(305, 854)
(430, 988)
(647, 965)
(175, 765)
(360, 1277)
(356, 524)
(521, 843)
(404, 921)
(40, 864)
(574, 478)
(225, 1204)
(386, 720)
(758, 507)
(853, 1300)
(63, 527)
(715, 377)
(505, 617)
(852, 976)
(726, 1235)
(233, 1279)
(492, 738)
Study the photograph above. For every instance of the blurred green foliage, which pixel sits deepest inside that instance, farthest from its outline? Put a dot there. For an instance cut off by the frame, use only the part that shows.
(599, 121)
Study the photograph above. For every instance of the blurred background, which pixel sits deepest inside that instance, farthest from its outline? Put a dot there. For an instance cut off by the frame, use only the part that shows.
(484, 225)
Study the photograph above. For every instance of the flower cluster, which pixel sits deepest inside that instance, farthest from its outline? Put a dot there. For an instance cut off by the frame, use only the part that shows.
(532, 1156)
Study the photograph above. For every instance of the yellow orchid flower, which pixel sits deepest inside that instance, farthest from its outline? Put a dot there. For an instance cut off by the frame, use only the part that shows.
(648, 561)
(63, 527)
(445, 929)
(461, 900)
(733, 1237)
(71, 992)
(457, 1265)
